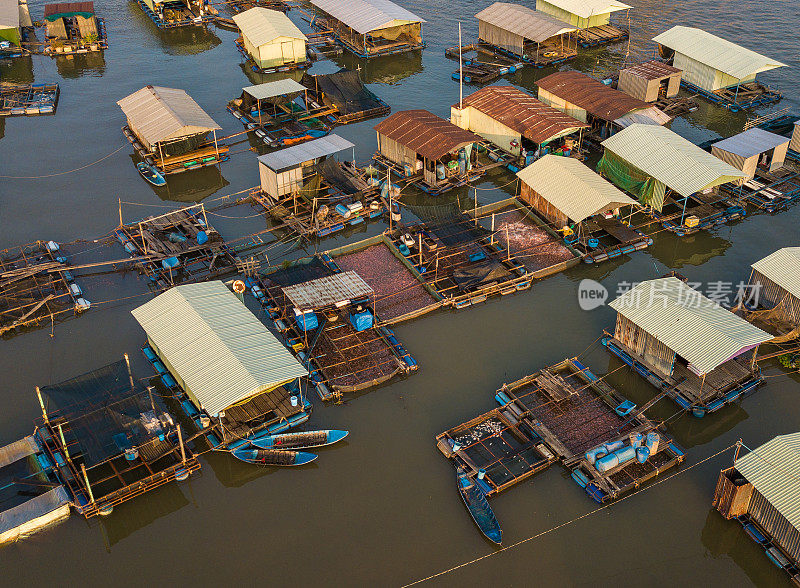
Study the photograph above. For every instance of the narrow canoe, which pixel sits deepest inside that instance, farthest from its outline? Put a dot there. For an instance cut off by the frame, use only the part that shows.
(478, 507)
(271, 457)
(302, 440)
(151, 174)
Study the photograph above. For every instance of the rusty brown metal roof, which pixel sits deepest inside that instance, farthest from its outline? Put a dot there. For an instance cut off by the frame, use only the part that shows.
(66, 7)
(594, 97)
(425, 133)
(652, 70)
(522, 113)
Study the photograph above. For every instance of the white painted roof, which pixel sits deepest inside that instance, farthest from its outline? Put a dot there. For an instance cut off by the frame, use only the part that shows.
(783, 268)
(302, 152)
(522, 21)
(572, 188)
(9, 14)
(696, 328)
(276, 88)
(364, 16)
(716, 52)
(263, 26)
(589, 8)
(751, 142)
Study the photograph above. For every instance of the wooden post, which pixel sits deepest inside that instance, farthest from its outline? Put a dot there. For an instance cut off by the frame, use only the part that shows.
(161, 153)
(736, 453)
(180, 442)
(508, 245)
(216, 147)
(420, 249)
(63, 441)
(120, 211)
(152, 404)
(492, 238)
(205, 216)
(88, 486)
(141, 234)
(130, 375)
(41, 403)
(475, 213)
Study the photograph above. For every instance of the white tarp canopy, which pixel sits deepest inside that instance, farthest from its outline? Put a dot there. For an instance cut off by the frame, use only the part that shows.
(718, 53)
(273, 89)
(572, 188)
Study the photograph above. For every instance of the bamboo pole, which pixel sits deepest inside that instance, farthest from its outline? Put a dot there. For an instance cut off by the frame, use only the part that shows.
(130, 374)
(63, 441)
(88, 486)
(180, 442)
(41, 403)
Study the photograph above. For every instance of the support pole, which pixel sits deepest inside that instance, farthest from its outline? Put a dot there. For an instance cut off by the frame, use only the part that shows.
(180, 442)
(41, 403)
(119, 200)
(475, 213)
(141, 234)
(420, 249)
(88, 486)
(460, 72)
(216, 147)
(63, 441)
(130, 375)
(736, 453)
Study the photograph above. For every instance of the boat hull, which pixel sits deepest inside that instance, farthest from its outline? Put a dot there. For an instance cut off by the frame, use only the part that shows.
(478, 507)
(272, 457)
(303, 440)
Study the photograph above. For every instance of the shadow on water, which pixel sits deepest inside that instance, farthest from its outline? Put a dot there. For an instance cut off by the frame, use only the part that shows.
(233, 473)
(17, 71)
(133, 515)
(80, 65)
(189, 40)
(389, 69)
(694, 250)
(256, 78)
(193, 186)
(723, 538)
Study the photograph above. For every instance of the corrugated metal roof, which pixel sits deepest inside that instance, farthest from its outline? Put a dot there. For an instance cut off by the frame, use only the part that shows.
(217, 346)
(364, 16)
(522, 21)
(648, 116)
(589, 8)
(783, 268)
(716, 52)
(425, 133)
(696, 328)
(669, 158)
(572, 188)
(297, 154)
(276, 88)
(751, 142)
(9, 14)
(652, 70)
(165, 113)
(263, 26)
(774, 470)
(522, 113)
(321, 292)
(593, 96)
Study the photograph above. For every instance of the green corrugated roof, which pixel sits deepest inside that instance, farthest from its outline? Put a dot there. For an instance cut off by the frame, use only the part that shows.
(218, 347)
(572, 188)
(669, 158)
(783, 268)
(774, 470)
(696, 328)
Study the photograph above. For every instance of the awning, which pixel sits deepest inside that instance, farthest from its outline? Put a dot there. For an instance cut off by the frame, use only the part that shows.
(647, 116)
(297, 154)
(588, 8)
(276, 88)
(691, 325)
(328, 291)
(572, 188)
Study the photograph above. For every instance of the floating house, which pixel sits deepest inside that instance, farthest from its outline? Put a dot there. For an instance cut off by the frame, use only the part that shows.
(587, 208)
(770, 181)
(761, 493)
(270, 41)
(73, 27)
(32, 497)
(518, 123)
(344, 93)
(691, 349)
(369, 28)
(774, 287)
(328, 317)
(591, 17)
(169, 130)
(677, 180)
(167, 14)
(650, 81)
(279, 113)
(235, 378)
(526, 35)
(10, 28)
(418, 144)
(607, 110)
(721, 71)
(110, 439)
(310, 192)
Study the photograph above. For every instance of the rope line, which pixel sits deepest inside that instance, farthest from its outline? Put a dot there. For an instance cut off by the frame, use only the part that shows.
(65, 172)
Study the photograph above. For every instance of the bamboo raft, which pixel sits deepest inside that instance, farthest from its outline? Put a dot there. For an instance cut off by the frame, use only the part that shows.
(28, 99)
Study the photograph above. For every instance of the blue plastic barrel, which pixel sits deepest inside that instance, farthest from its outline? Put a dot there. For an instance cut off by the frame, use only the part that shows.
(625, 454)
(202, 238)
(607, 462)
(593, 454)
(642, 454)
(653, 439)
(611, 447)
(170, 263)
(440, 172)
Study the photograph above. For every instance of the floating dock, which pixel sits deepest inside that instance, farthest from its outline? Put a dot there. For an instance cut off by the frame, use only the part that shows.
(600, 35)
(177, 247)
(28, 99)
(176, 17)
(481, 64)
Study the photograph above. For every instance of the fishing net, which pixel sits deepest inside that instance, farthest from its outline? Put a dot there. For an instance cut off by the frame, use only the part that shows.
(344, 90)
(649, 190)
(106, 411)
(329, 169)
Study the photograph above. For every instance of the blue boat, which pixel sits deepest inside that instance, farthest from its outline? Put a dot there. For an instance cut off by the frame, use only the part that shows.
(301, 440)
(272, 457)
(478, 507)
(151, 174)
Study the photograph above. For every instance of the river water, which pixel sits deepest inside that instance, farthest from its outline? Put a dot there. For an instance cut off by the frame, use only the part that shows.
(382, 507)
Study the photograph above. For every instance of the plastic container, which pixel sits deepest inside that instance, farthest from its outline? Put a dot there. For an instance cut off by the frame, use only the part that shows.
(636, 439)
(408, 169)
(75, 290)
(361, 321)
(440, 172)
(343, 210)
(52, 246)
(652, 442)
(202, 238)
(612, 447)
(642, 454)
(607, 462)
(170, 263)
(307, 321)
(594, 454)
(625, 454)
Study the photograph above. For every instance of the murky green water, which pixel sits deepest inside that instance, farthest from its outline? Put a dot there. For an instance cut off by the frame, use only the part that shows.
(381, 508)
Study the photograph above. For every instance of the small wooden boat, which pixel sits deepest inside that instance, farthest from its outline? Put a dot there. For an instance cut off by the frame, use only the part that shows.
(151, 174)
(272, 457)
(478, 507)
(302, 440)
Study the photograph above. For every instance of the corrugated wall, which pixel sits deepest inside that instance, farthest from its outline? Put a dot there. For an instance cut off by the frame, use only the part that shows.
(278, 52)
(771, 295)
(697, 73)
(573, 19)
(501, 38)
(784, 534)
(794, 144)
(562, 105)
(748, 166)
(542, 206)
(636, 86)
(653, 351)
(395, 152)
(493, 130)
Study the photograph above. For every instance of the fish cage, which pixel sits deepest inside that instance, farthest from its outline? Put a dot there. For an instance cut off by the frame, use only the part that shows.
(28, 99)
(110, 439)
(345, 93)
(177, 247)
(37, 287)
